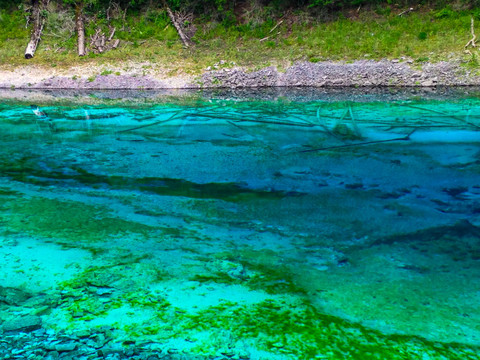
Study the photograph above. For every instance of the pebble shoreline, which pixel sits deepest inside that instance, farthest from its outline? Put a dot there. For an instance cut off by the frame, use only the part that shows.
(44, 344)
(362, 73)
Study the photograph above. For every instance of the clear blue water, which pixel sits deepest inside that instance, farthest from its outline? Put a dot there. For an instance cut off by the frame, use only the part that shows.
(293, 225)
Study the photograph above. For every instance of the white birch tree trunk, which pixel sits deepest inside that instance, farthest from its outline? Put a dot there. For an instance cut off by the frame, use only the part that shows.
(80, 27)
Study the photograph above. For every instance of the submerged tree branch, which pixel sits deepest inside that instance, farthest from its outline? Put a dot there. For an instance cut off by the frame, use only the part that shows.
(405, 138)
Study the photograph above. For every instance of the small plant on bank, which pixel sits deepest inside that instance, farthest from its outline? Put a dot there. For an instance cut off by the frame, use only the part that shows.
(422, 35)
(473, 62)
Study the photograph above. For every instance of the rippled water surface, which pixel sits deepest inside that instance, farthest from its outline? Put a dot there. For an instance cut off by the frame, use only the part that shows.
(260, 226)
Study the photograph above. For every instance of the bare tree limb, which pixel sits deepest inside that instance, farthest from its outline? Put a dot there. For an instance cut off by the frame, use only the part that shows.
(278, 24)
(471, 42)
(406, 11)
(111, 34)
(404, 138)
(183, 37)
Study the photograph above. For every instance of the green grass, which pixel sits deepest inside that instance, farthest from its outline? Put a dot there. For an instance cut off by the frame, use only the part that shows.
(434, 35)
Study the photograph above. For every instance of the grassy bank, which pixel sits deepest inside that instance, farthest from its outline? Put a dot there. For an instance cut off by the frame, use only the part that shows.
(419, 36)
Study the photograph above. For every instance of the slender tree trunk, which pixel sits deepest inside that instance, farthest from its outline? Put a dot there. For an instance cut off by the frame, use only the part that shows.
(80, 27)
(178, 26)
(38, 22)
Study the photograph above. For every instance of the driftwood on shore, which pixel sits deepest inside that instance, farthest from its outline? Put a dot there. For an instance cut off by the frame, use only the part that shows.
(38, 17)
(99, 43)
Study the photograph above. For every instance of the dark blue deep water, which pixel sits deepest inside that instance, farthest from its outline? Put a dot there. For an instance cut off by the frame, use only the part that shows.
(280, 224)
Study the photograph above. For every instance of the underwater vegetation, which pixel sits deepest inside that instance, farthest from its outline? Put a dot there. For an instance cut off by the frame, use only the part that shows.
(301, 331)
(290, 326)
(286, 324)
(68, 222)
(257, 269)
(26, 171)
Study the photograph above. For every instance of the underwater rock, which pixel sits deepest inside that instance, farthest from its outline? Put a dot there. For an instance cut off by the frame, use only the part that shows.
(455, 191)
(354, 186)
(111, 349)
(24, 324)
(100, 340)
(82, 333)
(43, 310)
(52, 355)
(102, 279)
(13, 296)
(388, 195)
(294, 172)
(232, 269)
(70, 346)
(39, 332)
(39, 300)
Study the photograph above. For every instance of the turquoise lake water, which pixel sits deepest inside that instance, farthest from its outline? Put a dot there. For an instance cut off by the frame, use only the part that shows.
(240, 225)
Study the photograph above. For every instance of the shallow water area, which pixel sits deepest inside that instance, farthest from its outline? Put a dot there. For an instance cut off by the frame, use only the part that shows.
(276, 224)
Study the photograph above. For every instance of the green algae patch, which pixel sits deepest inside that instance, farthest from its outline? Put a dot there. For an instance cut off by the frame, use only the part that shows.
(26, 170)
(87, 307)
(287, 327)
(115, 275)
(100, 291)
(257, 269)
(68, 220)
(8, 192)
(301, 332)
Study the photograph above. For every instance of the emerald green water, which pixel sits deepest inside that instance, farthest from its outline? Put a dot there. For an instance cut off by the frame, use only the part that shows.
(251, 226)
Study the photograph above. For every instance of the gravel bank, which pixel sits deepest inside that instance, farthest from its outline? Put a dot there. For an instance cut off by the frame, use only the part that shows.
(362, 73)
